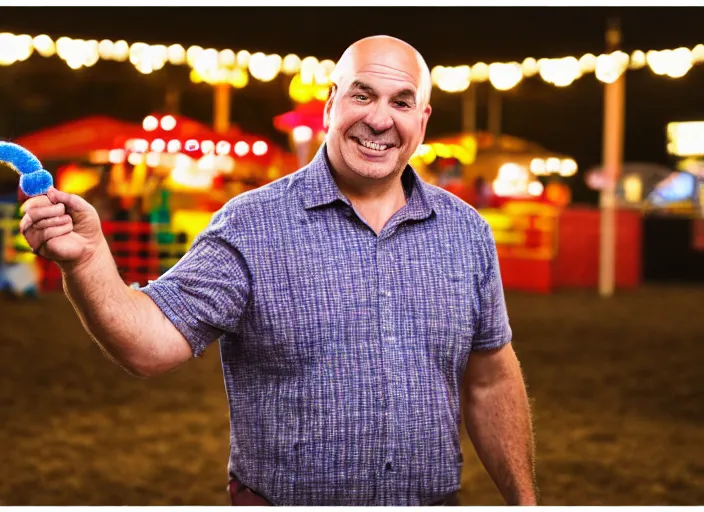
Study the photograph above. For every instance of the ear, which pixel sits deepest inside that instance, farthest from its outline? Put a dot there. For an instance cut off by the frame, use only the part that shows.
(424, 121)
(328, 106)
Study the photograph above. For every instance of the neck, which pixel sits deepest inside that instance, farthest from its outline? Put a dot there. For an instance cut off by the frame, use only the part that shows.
(375, 200)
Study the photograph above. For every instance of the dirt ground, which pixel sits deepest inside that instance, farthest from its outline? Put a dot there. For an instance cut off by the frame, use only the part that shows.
(616, 387)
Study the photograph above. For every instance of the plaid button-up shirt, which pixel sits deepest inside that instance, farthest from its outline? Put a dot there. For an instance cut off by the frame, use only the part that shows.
(343, 351)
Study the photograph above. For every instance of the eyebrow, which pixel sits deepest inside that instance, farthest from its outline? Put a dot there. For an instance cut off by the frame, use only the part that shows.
(408, 94)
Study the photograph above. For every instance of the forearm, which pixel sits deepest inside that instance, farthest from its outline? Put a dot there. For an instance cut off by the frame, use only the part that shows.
(117, 317)
(497, 416)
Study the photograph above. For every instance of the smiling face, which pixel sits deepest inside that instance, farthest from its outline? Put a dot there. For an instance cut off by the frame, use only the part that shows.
(378, 111)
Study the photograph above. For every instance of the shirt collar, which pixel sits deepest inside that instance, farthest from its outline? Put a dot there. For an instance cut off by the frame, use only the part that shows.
(320, 188)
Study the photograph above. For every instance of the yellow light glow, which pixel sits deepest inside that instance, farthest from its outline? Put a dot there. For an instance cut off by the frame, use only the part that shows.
(153, 159)
(560, 72)
(552, 164)
(455, 79)
(685, 138)
(207, 147)
(7, 49)
(168, 123)
(44, 45)
(144, 67)
(227, 58)
(632, 188)
(238, 78)
(136, 52)
(302, 134)
(537, 167)
(174, 146)
(680, 63)
(505, 76)
(568, 167)
(698, 53)
(291, 64)
(24, 47)
(260, 148)
(657, 61)
(243, 58)
(105, 49)
(150, 123)
(192, 54)
(135, 158)
(158, 55)
(309, 64)
(264, 67)
(587, 63)
(116, 156)
(120, 51)
(530, 67)
(479, 72)
(637, 60)
(195, 77)
(535, 188)
(300, 92)
(674, 63)
(158, 145)
(176, 54)
(222, 147)
(241, 148)
(608, 68)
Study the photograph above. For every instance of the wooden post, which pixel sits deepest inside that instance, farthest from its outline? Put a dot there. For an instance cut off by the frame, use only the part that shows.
(494, 124)
(469, 109)
(614, 114)
(221, 107)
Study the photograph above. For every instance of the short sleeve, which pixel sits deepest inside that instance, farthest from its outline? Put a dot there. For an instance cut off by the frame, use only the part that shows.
(494, 329)
(205, 293)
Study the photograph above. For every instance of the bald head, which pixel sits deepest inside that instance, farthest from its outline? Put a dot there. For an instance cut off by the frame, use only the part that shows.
(378, 109)
(380, 53)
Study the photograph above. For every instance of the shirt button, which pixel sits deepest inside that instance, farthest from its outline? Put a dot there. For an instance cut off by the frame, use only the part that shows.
(389, 466)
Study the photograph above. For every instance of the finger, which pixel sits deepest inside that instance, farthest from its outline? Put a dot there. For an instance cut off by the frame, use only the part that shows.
(43, 212)
(72, 201)
(52, 221)
(25, 223)
(35, 202)
(45, 235)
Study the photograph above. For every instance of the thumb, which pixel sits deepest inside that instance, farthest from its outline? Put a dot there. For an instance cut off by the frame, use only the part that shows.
(72, 202)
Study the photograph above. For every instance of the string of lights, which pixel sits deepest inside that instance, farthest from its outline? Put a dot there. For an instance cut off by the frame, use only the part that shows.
(311, 77)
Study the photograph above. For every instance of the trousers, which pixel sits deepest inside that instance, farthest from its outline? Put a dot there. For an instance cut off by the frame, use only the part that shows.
(243, 496)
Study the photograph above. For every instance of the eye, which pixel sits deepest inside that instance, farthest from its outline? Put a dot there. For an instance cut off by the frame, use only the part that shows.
(360, 97)
(402, 104)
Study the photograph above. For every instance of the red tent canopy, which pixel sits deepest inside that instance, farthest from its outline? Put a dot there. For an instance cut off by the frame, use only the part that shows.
(76, 139)
(308, 114)
(169, 133)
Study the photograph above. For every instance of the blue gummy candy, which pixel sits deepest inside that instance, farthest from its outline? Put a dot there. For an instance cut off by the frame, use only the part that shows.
(36, 183)
(19, 158)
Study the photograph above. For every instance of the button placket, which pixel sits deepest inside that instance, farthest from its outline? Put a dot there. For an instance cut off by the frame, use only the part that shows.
(388, 341)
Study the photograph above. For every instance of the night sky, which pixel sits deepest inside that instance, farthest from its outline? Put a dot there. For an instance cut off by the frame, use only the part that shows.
(42, 92)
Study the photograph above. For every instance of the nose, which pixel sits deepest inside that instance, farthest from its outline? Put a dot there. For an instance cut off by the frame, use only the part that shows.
(379, 117)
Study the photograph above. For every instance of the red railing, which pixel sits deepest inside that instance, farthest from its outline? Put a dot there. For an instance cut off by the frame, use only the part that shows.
(142, 251)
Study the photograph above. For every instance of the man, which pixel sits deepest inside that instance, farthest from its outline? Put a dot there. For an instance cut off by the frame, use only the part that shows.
(354, 305)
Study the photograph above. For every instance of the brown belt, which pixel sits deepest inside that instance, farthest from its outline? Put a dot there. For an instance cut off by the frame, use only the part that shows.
(243, 496)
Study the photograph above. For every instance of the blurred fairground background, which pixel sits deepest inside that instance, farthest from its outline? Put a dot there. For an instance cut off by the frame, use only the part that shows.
(578, 134)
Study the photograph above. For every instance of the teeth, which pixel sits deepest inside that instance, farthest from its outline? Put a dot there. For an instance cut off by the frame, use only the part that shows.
(373, 145)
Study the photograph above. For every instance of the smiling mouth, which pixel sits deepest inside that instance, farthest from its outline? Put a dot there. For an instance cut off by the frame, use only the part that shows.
(374, 146)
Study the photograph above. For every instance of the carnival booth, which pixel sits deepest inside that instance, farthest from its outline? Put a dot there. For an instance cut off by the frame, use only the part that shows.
(155, 185)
